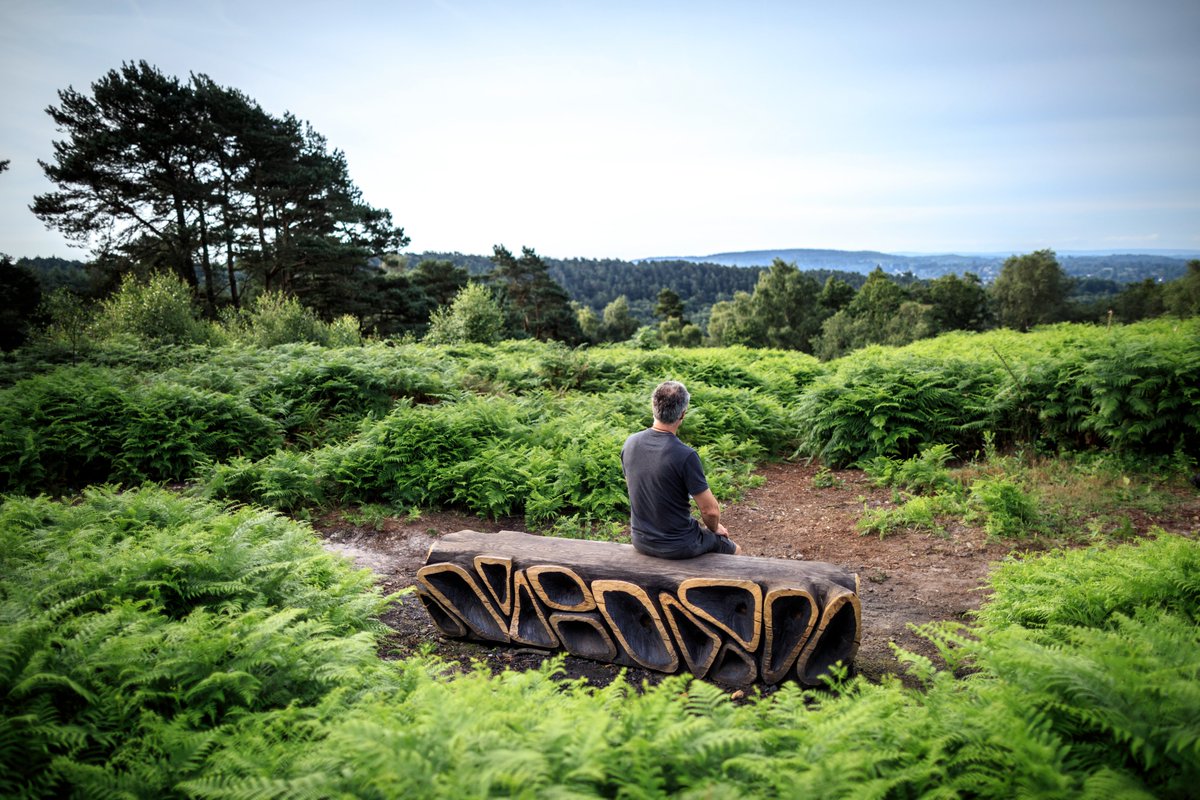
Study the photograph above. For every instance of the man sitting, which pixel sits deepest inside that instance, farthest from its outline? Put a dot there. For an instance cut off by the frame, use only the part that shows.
(662, 475)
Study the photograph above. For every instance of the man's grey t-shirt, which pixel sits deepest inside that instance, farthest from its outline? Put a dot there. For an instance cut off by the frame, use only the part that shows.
(662, 474)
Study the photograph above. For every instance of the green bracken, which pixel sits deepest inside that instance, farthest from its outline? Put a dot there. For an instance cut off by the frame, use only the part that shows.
(155, 646)
(530, 428)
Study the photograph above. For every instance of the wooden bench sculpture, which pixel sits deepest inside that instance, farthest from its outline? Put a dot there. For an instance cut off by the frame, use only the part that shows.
(733, 619)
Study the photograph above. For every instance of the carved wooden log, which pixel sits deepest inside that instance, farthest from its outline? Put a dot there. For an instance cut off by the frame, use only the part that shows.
(734, 619)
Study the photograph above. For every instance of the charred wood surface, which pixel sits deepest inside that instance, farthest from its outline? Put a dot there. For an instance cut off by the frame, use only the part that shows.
(733, 619)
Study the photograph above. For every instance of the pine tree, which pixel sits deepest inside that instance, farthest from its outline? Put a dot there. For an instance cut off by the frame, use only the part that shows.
(154, 172)
(669, 305)
(537, 306)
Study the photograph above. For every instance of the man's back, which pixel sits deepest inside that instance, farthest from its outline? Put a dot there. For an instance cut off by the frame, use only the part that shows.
(662, 474)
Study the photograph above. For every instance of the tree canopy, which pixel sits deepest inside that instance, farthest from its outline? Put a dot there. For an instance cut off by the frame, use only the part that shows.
(20, 295)
(1183, 295)
(785, 311)
(669, 306)
(1031, 290)
(473, 316)
(537, 306)
(198, 179)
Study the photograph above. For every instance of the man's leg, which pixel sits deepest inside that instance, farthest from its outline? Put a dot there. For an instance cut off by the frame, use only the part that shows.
(715, 543)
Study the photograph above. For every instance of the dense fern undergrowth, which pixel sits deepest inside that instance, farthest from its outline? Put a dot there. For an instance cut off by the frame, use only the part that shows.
(190, 641)
(158, 646)
(534, 429)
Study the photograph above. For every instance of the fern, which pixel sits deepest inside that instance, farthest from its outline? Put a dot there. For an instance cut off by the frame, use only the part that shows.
(165, 627)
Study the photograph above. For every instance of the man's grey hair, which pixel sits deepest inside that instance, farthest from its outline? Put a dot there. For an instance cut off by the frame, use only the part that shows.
(669, 401)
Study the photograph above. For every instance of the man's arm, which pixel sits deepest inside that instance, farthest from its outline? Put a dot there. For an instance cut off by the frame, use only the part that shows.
(710, 512)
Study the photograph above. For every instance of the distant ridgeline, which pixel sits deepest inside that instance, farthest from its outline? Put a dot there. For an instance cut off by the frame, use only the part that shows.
(53, 273)
(1122, 268)
(702, 281)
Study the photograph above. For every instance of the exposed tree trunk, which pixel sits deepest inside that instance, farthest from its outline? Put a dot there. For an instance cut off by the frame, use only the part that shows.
(230, 270)
(261, 226)
(187, 270)
(735, 619)
(210, 292)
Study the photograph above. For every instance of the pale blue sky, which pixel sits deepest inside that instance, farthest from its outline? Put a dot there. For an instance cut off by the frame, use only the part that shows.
(671, 128)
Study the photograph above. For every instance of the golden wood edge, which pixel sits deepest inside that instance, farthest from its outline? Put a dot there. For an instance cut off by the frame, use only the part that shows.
(670, 603)
(445, 566)
(535, 578)
(602, 587)
(749, 586)
(521, 588)
(504, 604)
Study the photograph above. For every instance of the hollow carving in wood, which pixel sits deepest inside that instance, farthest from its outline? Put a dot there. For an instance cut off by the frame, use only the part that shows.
(732, 619)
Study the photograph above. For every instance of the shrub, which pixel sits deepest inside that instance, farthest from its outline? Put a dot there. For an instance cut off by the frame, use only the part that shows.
(1089, 587)
(77, 426)
(878, 404)
(473, 316)
(275, 318)
(62, 429)
(163, 647)
(1082, 716)
(1064, 386)
(167, 431)
(157, 311)
(1101, 643)
(922, 473)
(1008, 511)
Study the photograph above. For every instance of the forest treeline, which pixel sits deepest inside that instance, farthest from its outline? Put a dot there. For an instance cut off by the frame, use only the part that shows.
(249, 210)
(596, 282)
(55, 310)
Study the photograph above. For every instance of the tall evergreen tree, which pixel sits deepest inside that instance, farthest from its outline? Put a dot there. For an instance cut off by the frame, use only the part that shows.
(786, 303)
(441, 280)
(124, 168)
(669, 306)
(199, 179)
(538, 307)
(836, 294)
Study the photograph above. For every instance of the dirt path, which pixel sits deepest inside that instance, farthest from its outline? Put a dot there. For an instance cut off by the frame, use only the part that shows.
(906, 578)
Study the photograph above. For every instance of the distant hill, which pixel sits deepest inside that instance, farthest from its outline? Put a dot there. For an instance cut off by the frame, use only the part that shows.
(53, 273)
(1119, 267)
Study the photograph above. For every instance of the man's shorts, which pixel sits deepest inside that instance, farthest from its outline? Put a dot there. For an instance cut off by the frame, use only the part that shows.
(705, 541)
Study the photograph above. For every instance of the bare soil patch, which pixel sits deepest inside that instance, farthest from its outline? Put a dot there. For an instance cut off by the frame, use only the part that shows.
(907, 578)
